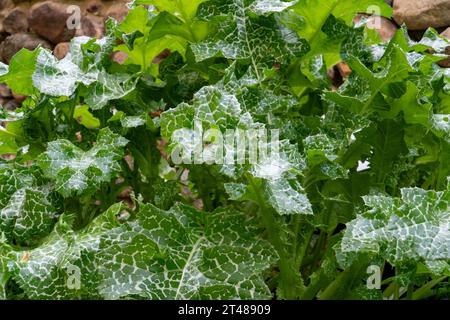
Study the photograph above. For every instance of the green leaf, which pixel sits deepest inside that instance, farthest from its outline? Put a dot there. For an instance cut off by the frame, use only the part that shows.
(322, 155)
(135, 21)
(82, 65)
(186, 254)
(77, 172)
(184, 9)
(282, 154)
(12, 180)
(244, 35)
(8, 143)
(441, 124)
(27, 212)
(415, 227)
(85, 118)
(109, 87)
(143, 53)
(287, 198)
(311, 18)
(262, 7)
(28, 215)
(366, 92)
(146, 35)
(64, 266)
(21, 69)
(60, 77)
(387, 142)
(316, 12)
(414, 111)
(211, 108)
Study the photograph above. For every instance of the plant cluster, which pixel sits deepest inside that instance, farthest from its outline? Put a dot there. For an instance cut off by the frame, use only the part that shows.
(93, 207)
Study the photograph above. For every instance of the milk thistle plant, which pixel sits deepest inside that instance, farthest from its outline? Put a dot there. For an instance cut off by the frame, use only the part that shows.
(94, 204)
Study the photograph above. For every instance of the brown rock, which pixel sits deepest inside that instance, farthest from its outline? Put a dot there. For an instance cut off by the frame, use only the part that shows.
(160, 57)
(49, 20)
(3, 36)
(6, 4)
(15, 42)
(117, 11)
(90, 27)
(18, 97)
(385, 27)
(422, 14)
(3, 101)
(5, 92)
(344, 69)
(95, 7)
(446, 62)
(119, 56)
(16, 21)
(11, 105)
(446, 33)
(335, 77)
(61, 50)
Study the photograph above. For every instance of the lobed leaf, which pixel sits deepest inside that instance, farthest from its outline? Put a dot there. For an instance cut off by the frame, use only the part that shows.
(77, 172)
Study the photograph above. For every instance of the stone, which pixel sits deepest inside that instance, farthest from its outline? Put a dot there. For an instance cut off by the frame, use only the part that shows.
(446, 62)
(12, 44)
(117, 11)
(12, 105)
(6, 4)
(5, 92)
(49, 20)
(335, 78)
(446, 33)
(3, 101)
(422, 14)
(3, 36)
(119, 57)
(61, 50)
(160, 57)
(94, 7)
(18, 97)
(344, 69)
(385, 27)
(90, 27)
(16, 22)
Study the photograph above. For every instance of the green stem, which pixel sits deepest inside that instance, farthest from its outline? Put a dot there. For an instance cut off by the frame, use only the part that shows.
(426, 290)
(409, 293)
(318, 249)
(296, 228)
(288, 276)
(301, 252)
(187, 21)
(342, 285)
(87, 213)
(71, 119)
(6, 132)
